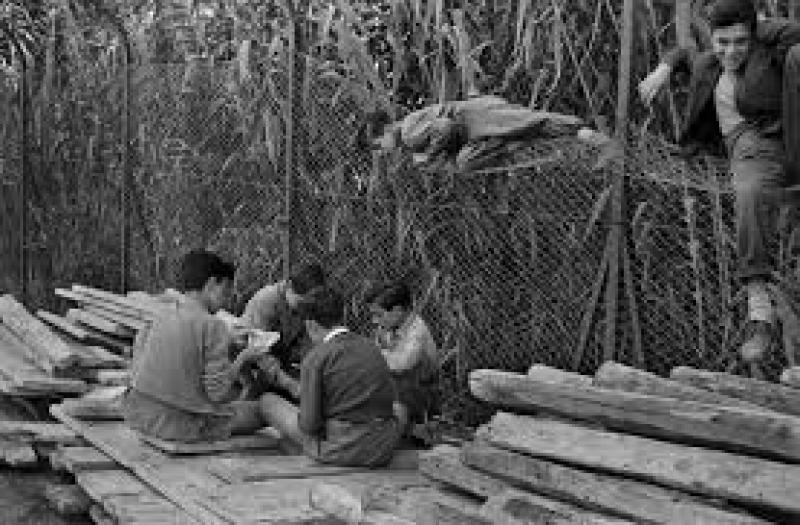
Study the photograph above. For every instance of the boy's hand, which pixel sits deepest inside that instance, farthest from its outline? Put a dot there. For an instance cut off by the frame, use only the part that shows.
(653, 83)
(271, 367)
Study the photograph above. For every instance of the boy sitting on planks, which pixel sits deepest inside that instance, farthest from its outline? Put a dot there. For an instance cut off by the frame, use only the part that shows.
(183, 383)
(346, 395)
(409, 349)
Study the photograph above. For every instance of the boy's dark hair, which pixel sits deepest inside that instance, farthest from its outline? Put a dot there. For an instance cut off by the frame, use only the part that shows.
(725, 13)
(307, 278)
(198, 266)
(325, 306)
(390, 295)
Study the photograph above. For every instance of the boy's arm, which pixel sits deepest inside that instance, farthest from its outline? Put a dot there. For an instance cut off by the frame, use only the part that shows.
(220, 375)
(781, 34)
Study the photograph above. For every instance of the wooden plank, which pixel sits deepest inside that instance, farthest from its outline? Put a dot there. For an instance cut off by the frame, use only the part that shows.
(266, 467)
(100, 517)
(548, 373)
(791, 377)
(267, 439)
(386, 503)
(63, 324)
(122, 445)
(84, 317)
(112, 344)
(17, 454)
(105, 376)
(91, 356)
(126, 499)
(288, 500)
(443, 464)
(131, 322)
(88, 301)
(617, 376)
(738, 429)
(138, 306)
(67, 499)
(634, 500)
(710, 473)
(780, 398)
(515, 507)
(23, 376)
(39, 432)
(46, 349)
(81, 459)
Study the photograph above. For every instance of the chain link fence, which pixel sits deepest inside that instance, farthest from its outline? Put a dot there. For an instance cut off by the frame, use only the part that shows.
(504, 262)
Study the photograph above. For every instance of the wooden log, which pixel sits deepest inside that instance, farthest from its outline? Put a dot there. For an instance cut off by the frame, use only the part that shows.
(45, 348)
(710, 473)
(515, 507)
(616, 376)
(780, 398)
(67, 499)
(634, 500)
(738, 429)
(443, 464)
(791, 377)
(63, 324)
(555, 375)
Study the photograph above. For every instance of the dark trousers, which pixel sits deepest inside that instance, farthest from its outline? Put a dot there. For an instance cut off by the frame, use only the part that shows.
(762, 169)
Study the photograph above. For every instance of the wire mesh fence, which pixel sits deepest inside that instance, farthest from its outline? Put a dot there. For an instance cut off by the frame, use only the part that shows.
(504, 262)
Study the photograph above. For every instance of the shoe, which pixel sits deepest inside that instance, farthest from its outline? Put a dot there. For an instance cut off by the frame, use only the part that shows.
(757, 343)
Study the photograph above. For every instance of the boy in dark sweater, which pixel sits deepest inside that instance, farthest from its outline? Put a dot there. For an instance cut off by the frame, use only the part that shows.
(346, 395)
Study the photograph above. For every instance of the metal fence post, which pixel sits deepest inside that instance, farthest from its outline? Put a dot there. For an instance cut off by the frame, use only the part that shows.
(288, 240)
(617, 237)
(24, 172)
(127, 173)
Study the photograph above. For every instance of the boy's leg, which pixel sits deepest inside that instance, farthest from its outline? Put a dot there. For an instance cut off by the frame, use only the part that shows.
(247, 417)
(758, 178)
(281, 415)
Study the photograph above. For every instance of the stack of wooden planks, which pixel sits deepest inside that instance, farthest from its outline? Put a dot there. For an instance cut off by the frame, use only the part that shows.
(52, 356)
(627, 446)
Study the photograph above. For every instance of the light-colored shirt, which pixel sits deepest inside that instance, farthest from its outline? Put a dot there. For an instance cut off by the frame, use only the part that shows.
(728, 115)
(409, 345)
(182, 359)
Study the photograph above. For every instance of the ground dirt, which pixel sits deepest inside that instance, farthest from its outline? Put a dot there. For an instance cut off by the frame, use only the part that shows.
(22, 491)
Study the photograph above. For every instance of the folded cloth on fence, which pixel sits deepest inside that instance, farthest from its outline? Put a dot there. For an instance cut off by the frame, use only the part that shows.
(466, 131)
